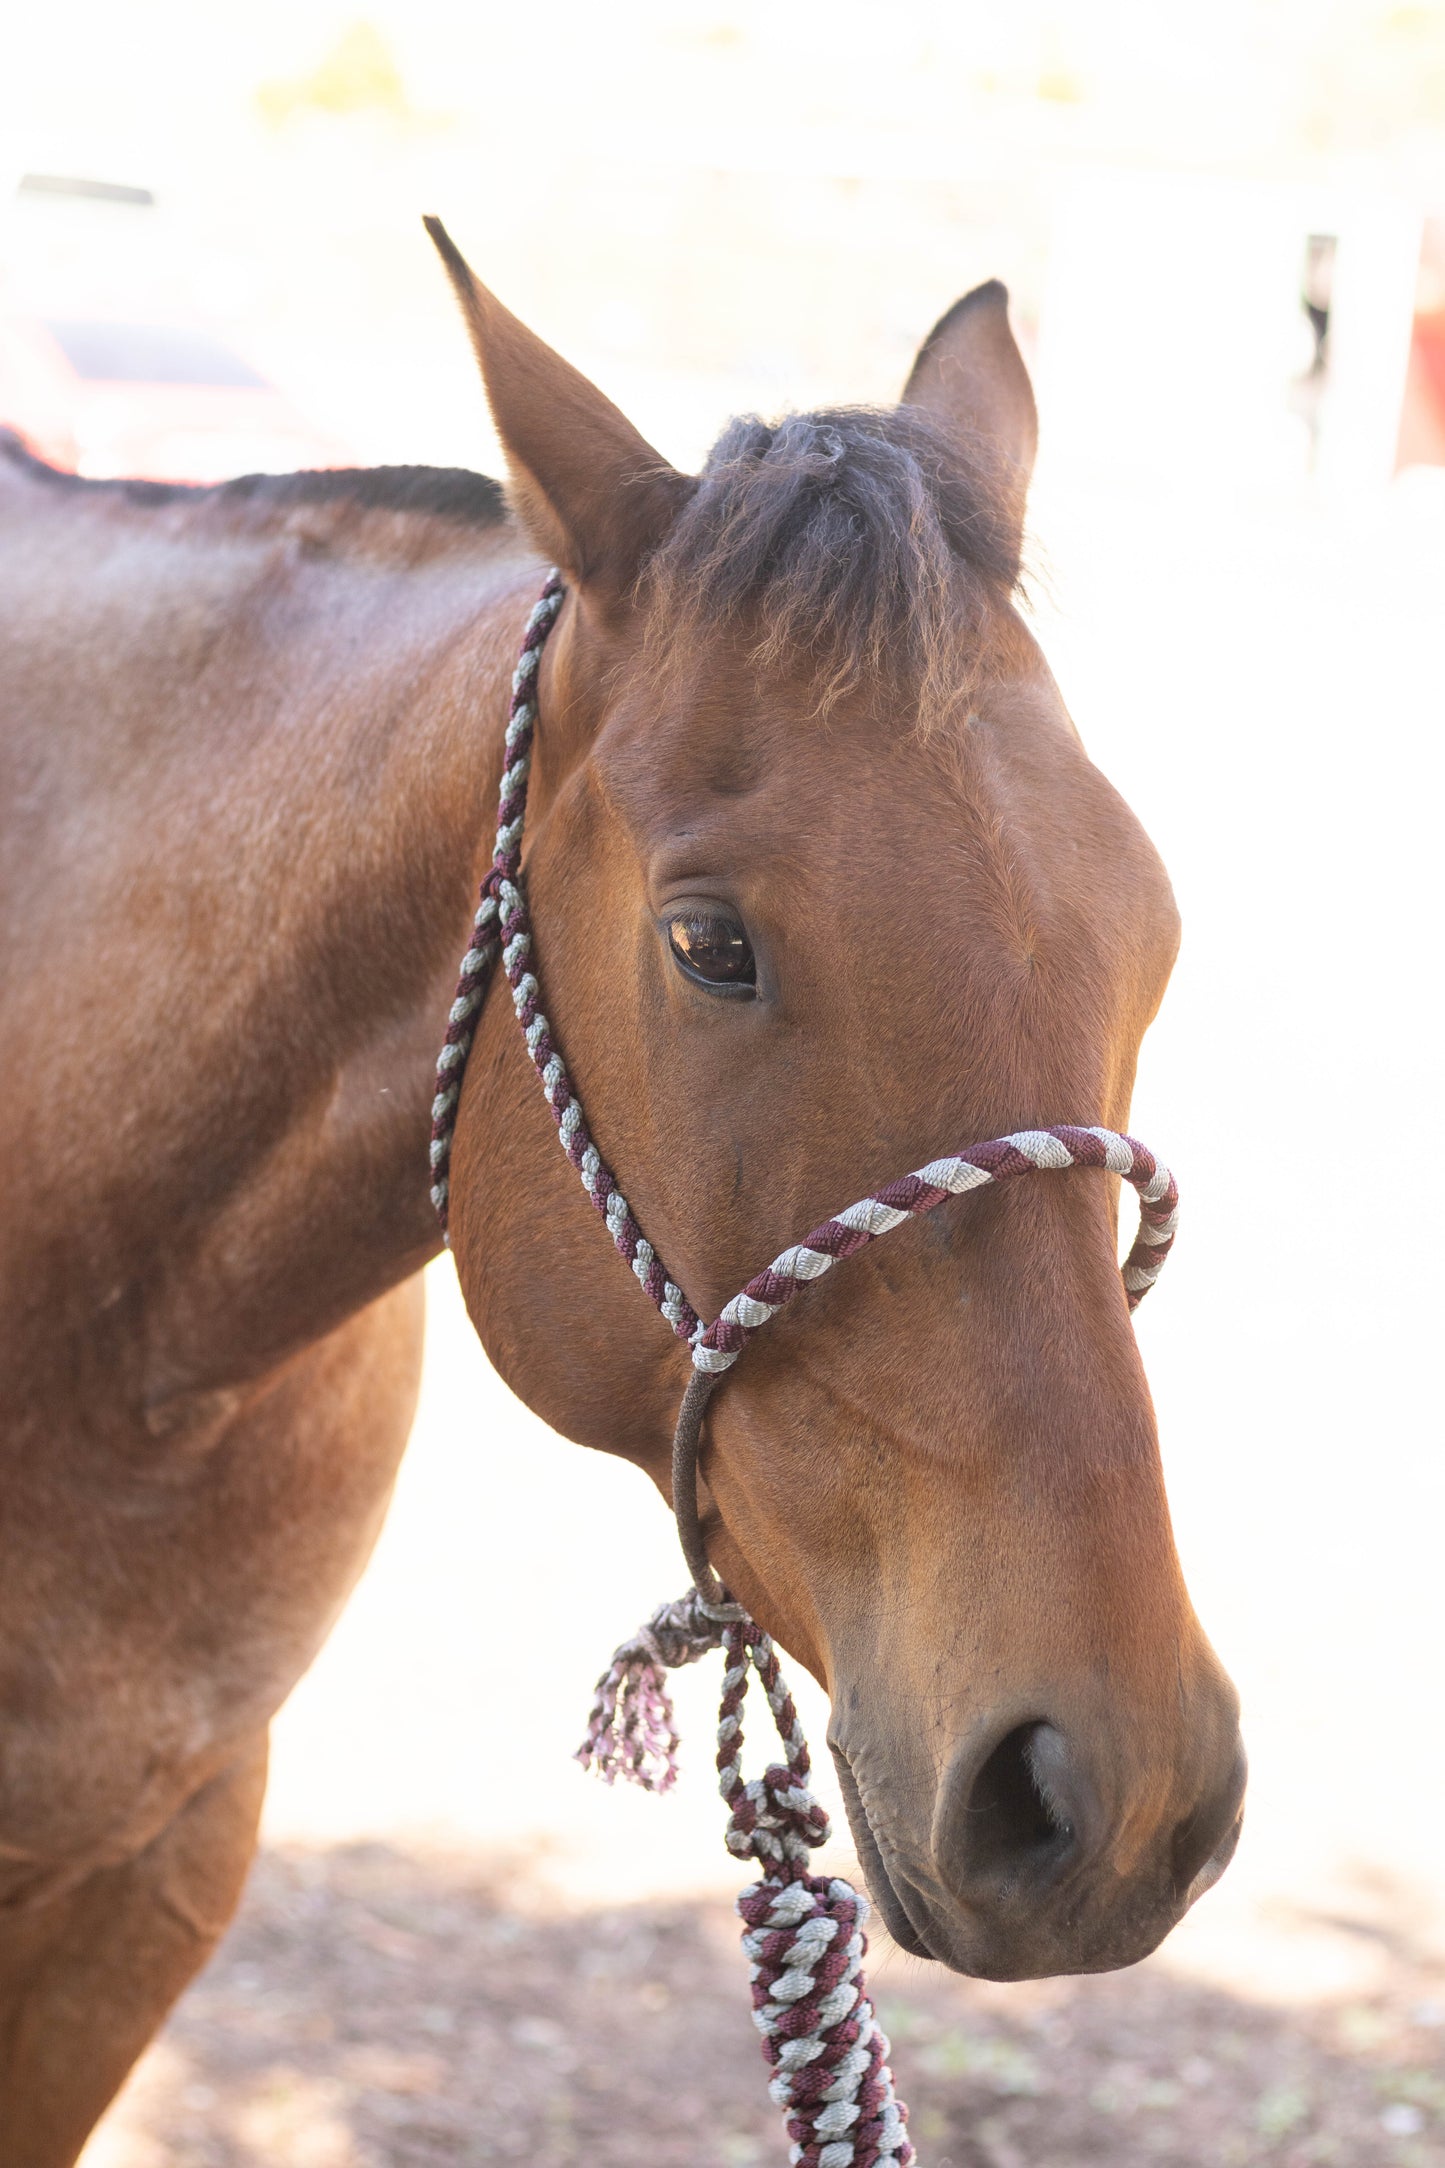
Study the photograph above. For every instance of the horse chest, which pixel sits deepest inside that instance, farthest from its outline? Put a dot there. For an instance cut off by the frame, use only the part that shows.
(162, 1597)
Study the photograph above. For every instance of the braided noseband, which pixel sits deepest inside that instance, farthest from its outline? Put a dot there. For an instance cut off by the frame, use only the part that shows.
(804, 1935)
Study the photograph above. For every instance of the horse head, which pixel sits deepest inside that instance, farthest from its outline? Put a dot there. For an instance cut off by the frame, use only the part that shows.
(824, 886)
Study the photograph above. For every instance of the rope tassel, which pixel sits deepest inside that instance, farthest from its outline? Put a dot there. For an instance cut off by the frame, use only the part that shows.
(631, 1731)
(803, 1936)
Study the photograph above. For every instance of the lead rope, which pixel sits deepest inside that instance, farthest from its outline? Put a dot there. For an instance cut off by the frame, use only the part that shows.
(804, 1936)
(803, 1933)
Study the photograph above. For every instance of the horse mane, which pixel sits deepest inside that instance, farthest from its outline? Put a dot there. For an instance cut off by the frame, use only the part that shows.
(450, 493)
(867, 540)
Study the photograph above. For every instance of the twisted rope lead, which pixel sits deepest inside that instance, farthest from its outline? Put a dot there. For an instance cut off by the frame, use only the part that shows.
(805, 1942)
(805, 1936)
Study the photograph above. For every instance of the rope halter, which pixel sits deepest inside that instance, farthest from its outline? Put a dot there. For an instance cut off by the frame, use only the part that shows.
(804, 1936)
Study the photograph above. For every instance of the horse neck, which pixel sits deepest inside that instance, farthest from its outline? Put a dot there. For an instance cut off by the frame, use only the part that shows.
(386, 848)
(278, 902)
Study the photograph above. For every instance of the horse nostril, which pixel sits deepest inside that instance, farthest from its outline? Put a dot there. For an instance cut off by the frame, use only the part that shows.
(1020, 1821)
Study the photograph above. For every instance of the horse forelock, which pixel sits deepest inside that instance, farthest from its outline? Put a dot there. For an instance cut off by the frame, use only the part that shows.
(864, 545)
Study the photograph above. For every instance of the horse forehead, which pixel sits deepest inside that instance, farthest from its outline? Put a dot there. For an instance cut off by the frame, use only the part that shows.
(754, 780)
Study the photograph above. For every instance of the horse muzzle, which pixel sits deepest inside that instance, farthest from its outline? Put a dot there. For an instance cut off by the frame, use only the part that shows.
(1034, 1858)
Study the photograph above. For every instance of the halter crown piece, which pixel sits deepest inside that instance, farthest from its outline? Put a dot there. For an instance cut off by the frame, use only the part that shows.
(804, 1934)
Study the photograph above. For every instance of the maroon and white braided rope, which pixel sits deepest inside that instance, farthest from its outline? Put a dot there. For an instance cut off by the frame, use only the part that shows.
(1029, 1151)
(805, 1942)
(803, 1935)
(481, 956)
(503, 919)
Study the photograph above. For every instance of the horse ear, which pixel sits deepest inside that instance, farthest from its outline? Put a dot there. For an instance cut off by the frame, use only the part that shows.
(593, 494)
(970, 376)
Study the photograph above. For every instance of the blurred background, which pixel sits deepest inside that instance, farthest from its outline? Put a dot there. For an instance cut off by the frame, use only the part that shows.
(1224, 232)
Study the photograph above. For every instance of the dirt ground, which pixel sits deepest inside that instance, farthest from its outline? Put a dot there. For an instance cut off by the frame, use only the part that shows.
(375, 2008)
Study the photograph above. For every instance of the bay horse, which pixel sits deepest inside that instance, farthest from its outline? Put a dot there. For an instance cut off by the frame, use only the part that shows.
(823, 883)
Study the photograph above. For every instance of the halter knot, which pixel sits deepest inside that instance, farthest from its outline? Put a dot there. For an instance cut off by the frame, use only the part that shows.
(773, 1818)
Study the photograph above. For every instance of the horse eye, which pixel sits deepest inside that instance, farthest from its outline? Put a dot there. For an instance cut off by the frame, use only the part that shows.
(712, 948)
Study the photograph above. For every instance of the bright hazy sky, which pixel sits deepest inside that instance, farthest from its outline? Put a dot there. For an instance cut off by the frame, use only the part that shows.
(1243, 79)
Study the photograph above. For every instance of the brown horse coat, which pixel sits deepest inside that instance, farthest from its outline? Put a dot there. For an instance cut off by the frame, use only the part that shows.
(249, 745)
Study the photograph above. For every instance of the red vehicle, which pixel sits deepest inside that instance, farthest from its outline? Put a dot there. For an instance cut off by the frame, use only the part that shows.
(1422, 422)
(164, 401)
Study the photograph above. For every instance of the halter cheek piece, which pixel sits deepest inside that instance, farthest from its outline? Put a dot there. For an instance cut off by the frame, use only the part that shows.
(804, 1934)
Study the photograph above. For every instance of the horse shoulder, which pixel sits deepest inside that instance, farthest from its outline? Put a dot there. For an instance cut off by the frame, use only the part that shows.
(184, 1583)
